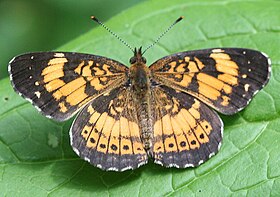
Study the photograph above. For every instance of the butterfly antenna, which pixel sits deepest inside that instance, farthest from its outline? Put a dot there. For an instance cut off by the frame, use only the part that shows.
(111, 32)
(163, 33)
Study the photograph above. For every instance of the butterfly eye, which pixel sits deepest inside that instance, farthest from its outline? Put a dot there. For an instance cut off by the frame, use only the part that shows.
(144, 60)
(132, 60)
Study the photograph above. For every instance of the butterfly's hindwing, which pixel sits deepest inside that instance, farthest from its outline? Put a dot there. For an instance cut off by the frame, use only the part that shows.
(186, 132)
(59, 84)
(106, 133)
(225, 79)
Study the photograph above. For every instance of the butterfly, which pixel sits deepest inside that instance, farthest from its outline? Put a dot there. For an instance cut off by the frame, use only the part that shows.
(128, 114)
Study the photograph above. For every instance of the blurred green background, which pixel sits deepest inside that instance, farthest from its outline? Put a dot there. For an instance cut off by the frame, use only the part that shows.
(32, 25)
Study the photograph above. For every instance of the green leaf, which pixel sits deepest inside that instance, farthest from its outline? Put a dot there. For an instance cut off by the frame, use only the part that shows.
(35, 153)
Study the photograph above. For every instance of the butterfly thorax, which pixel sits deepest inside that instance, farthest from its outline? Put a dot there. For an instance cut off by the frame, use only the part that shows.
(139, 75)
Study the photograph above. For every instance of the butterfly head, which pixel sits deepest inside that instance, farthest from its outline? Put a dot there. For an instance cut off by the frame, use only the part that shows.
(138, 57)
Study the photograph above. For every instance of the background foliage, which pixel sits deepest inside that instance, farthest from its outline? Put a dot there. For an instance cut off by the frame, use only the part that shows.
(35, 155)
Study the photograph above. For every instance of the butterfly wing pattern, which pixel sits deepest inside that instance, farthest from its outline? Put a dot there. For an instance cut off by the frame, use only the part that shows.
(186, 131)
(59, 84)
(225, 79)
(107, 132)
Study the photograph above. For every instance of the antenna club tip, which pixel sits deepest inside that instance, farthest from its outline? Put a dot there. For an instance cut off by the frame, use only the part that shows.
(179, 19)
(94, 18)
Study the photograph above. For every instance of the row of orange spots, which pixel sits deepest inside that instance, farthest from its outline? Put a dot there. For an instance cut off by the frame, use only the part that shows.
(111, 135)
(179, 129)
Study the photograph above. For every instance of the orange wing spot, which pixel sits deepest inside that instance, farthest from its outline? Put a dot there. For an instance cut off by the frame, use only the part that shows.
(86, 131)
(124, 127)
(215, 83)
(208, 91)
(217, 50)
(182, 142)
(190, 119)
(107, 128)
(225, 69)
(78, 70)
(90, 110)
(206, 126)
(62, 107)
(77, 96)
(106, 68)
(54, 75)
(187, 59)
(126, 146)
(186, 80)
(158, 145)
(192, 67)
(227, 63)
(94, 117)
(175, 105)
(87, 69)
(229, 79)
(181, 68)
(179, 135)
(193, 142)
(201, 135)
(93, 137)
(114, 139)
(102, 144)
(166, 125)
(72, 86)
(54, 85)
(195, 113)
(222, 56)
(137, 145)
(101, 121)
(52, 68)
(225, 101)
(170, 144)
(199, 63)
(96, 84)
(172, 65)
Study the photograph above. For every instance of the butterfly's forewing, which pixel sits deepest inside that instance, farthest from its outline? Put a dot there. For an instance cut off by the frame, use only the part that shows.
(186, 132)
(106, 132)
(225, 79)
(58, 84)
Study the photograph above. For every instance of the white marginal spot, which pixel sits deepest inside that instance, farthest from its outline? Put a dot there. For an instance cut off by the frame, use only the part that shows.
(219, 146)
(249, 63)
(49, 116)
(243, 95)
(32, 57)
(211, 155)
(38, 94)
(188, 165)
(37, 108)
(244, 76)
(173, 165)
(249, 69)
(76, 150)
(246, 87)
(158, 162)
(29, 68)
(217, 50)
(30, 77)
(87, 159)
(244, 52)
(126, 168)
(142, 163)
(59, 55)
(12, 60)
(112, 169)
(99, 166)
(29, 100)
(200, 162)
(36, 83)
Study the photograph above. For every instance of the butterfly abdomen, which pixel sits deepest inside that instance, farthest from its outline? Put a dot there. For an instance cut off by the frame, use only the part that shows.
(140, 87)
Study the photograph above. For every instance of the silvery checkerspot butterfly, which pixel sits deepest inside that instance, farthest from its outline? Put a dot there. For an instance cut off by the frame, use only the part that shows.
(129, 113)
